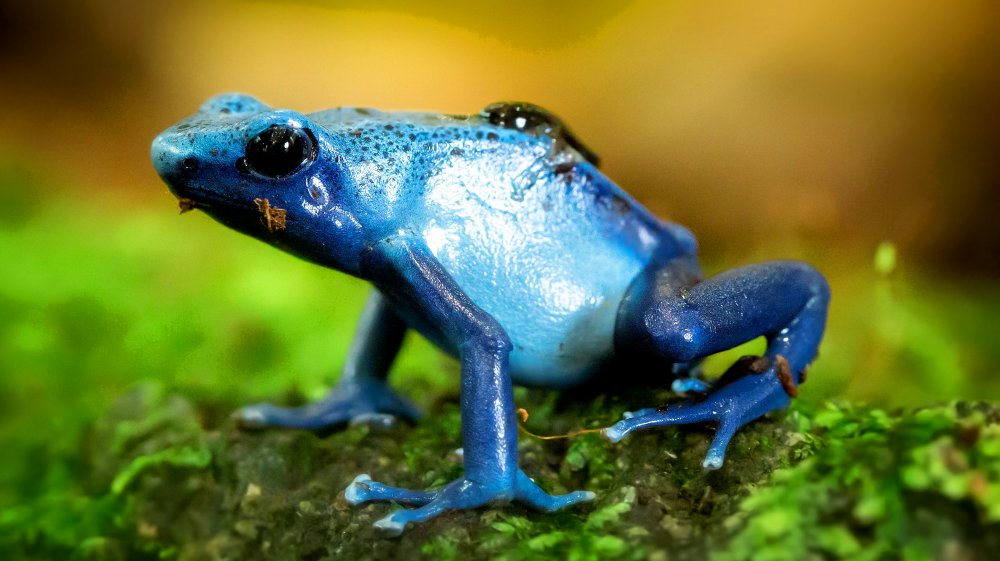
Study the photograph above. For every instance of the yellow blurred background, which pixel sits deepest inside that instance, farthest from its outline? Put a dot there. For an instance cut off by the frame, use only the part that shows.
(829, 124)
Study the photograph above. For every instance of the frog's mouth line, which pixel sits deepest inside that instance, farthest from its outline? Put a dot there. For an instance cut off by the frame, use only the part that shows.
(203, 201)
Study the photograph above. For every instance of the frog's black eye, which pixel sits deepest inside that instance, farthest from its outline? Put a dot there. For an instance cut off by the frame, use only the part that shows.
(279, 150)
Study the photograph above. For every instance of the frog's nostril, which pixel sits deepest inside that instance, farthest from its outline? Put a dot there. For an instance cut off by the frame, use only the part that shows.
(190, 164)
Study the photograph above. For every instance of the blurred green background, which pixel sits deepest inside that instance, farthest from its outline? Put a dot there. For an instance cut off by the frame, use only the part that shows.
(859, 136)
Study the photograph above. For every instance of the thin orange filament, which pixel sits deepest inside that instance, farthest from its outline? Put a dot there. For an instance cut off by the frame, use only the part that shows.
(522, 413)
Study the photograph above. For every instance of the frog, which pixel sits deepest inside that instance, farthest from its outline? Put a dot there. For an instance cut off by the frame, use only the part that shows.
(497, 238)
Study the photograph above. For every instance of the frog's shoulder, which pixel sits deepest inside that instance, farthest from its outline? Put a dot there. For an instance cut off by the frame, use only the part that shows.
(533, 119)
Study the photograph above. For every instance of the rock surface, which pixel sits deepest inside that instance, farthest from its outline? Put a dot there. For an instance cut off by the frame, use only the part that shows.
(837, 482)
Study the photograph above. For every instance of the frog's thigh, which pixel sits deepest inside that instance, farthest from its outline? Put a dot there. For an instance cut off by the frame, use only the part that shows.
(683, 322)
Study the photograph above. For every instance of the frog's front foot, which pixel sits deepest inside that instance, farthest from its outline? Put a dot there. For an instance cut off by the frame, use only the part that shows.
(460, 494)
(729, 407)
(364, 401)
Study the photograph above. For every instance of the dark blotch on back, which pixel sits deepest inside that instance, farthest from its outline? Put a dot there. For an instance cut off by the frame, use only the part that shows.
(532, 119)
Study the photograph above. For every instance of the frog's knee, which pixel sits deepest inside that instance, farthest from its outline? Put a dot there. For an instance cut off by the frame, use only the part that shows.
(675, 330)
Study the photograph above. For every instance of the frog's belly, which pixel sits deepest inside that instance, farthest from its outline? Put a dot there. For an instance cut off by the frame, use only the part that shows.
(556, 297)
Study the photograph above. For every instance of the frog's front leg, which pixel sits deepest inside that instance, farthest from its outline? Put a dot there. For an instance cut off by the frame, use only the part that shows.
(489, 429)
(362, 394)
(786, 302)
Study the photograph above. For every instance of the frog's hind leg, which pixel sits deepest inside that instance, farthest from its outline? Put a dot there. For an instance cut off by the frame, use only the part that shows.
(362, 394)
(784, 301)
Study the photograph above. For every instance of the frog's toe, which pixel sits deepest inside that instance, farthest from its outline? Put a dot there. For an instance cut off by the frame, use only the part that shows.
(394, 524)
(390, 527)
(374, 420)
(528, 492)
(685, 413)
(250, 417)
(683, 386)
(368, 402)
(310, 417)
(717, 450)
(357, 491)
(363, 490)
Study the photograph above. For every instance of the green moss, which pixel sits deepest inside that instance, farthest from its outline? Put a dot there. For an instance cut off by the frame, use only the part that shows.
(925, 483)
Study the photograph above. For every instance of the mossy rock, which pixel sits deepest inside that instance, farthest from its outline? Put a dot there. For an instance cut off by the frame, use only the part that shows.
(842, 481)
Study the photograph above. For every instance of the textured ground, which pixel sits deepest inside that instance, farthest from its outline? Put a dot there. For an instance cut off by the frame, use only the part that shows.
(840, 482)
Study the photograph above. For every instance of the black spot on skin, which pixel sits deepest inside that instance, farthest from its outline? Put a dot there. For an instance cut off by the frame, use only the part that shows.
(225, 111)
(493, 136)
(413, 136)
(215, 151)
(620, 204)
(565, 167)
(456, 152)
(530, 118)
(479, 134)
(363, 111)
(388, 127)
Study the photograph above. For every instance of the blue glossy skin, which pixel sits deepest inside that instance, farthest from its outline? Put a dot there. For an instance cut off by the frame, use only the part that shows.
(502, 244)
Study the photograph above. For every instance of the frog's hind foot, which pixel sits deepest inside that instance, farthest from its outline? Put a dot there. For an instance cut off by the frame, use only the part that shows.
(365, 402)
(731, 406)
(461, 494)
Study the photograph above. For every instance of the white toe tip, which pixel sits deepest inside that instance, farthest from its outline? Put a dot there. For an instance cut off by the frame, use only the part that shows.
(389, 526)
(356, 492)
(250, 415)
(613, 434)
(374, 420)
(712, 463)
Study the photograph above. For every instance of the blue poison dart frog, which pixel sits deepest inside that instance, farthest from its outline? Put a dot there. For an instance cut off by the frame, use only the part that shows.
(496, 237)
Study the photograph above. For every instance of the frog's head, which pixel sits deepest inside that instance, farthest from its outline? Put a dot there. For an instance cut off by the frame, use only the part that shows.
(268, 173)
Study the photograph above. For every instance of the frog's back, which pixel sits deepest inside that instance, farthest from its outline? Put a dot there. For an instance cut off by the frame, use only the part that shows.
(533, 233)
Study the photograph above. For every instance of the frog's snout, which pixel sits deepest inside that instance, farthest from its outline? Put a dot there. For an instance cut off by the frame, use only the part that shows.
(174, 162)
